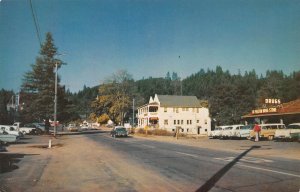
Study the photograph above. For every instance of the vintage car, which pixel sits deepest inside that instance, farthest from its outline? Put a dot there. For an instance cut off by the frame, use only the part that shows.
(119, 131)
(244, 132)
(10, 130)
(267, 130)
(8, 138)
(72, 127)
(30, 128)
(291, 132)
(231, 131)
(217, 132)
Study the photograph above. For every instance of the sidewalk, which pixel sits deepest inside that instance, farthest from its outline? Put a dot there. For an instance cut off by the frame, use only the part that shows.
(289, 150)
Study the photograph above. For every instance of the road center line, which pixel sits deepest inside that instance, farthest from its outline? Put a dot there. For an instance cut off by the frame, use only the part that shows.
(187, 154)
(269, 170)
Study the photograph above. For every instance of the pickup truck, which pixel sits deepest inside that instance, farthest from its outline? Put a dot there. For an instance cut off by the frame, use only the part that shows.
(30, 128)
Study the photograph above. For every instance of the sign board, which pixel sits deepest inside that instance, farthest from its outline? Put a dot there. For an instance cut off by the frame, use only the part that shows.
(265, 110)
(272, 101)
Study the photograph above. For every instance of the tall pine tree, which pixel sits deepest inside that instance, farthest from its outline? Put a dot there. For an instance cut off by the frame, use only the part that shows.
(38, 87)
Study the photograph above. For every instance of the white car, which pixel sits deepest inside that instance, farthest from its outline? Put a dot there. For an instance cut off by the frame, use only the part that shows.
(30, 128)
(8, 129)
(292, 129)
(244, 132)
(8, 138)
(216, 133)
(231, 131)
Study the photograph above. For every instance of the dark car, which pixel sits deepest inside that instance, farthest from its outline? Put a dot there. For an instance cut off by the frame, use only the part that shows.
(119, 131)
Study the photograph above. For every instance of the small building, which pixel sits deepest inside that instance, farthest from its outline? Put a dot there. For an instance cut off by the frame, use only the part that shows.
(172, 111)
(273, 111)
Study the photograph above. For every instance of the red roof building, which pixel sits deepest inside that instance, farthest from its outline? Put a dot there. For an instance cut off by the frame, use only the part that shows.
(283, 113)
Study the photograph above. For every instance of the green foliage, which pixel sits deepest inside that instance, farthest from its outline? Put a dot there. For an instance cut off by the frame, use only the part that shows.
(227, 96)
(115, 96)
(38, 86)
(103, 119)
(6, 116)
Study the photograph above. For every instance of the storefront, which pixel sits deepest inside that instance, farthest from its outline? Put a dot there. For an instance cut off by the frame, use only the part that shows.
(273, 111)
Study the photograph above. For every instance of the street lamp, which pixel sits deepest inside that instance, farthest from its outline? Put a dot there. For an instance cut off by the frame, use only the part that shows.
(55, 98)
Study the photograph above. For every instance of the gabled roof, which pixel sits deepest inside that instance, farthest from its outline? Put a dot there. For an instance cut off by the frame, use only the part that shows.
(178, 101)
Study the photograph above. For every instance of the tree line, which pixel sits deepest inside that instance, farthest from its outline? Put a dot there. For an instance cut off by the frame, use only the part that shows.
(229, 96)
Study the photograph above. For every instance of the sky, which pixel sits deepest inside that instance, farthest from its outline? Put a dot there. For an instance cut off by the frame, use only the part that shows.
(149, 37)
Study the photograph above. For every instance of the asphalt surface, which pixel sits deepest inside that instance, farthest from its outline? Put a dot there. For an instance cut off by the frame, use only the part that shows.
(206, 169)
(98, 162)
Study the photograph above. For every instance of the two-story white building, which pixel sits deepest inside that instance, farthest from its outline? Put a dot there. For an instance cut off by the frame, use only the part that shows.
(171, 111)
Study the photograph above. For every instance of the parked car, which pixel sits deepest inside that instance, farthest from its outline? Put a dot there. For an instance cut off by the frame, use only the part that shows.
(291, 132)
(40, 126)
(8, 138)
(119, 131)
(217, 132)
(244, 131)
(30, 128)
(231, 131)
(72, 127)
(11, 130)
(267, 130)
(84, 126)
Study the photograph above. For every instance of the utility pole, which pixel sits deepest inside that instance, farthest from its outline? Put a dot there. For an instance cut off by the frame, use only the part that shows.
(55, 99)
(55, 96)
(133, 113)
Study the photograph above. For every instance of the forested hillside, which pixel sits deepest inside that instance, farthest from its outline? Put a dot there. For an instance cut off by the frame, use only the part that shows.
(229, 96)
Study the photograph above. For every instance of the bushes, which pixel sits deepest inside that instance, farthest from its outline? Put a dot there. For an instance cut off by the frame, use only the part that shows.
(161, 132)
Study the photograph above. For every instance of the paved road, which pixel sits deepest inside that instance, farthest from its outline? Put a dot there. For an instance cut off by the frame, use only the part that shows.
(97, 162)
(199, 169)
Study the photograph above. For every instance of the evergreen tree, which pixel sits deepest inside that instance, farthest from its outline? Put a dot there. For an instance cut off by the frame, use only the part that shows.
(38, 87)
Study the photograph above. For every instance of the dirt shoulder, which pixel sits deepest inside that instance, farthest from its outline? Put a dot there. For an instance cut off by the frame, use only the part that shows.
(289, 150)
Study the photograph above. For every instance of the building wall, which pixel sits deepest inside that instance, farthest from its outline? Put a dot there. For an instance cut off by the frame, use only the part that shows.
(191, 120)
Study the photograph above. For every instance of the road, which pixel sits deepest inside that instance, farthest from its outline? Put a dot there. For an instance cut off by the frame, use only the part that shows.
(97, 162)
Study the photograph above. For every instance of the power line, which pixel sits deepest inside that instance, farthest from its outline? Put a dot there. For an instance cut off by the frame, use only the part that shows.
(37, 28)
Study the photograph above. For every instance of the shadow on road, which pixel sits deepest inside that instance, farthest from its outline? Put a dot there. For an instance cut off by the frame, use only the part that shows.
(8, 161)
(216, 177)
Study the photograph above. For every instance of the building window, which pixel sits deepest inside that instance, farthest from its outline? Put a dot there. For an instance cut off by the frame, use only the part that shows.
(187, 130)
(178, 122)
(181, 122)
(166, 122)
(173, 130)
(165, 109)
(205, 121)
(182, 130)
(187, 121)
(174, 122)
(190, 121)
(205, 130)
(198, 120)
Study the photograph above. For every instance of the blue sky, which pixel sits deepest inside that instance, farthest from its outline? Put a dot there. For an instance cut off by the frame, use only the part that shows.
(146, 37)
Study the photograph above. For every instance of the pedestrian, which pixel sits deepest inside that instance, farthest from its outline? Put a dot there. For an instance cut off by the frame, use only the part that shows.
(47, 126)
(256, 129)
